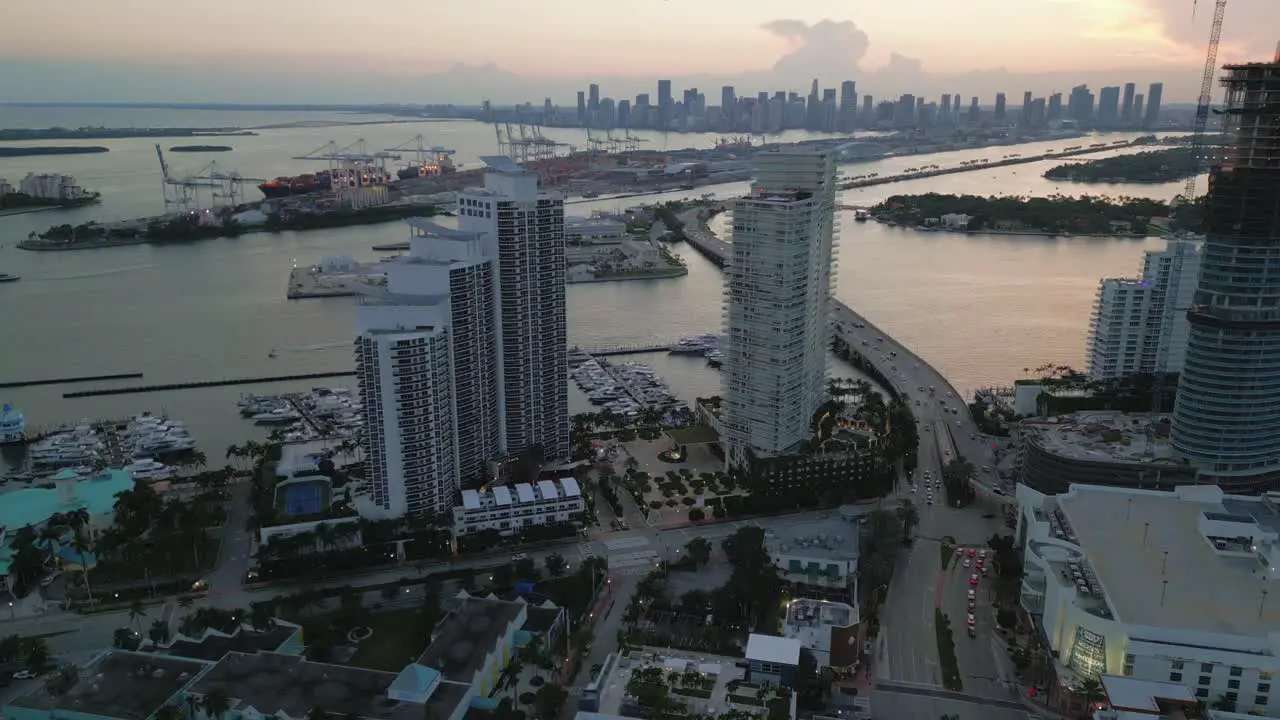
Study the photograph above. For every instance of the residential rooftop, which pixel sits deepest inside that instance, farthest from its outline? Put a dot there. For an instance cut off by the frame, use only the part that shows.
(1144, 696)
(722, 674)
(468, 636)
(834, 538)
(773, 649)
(521, 494)
(214, 645)
(118, 684)
(1102, 437)
(1137, 541)
(272, 683)
(828, 629)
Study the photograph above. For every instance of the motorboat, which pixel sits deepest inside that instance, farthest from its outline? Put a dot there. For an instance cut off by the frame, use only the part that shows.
(278, 415)
(148, 468)
(13, 425)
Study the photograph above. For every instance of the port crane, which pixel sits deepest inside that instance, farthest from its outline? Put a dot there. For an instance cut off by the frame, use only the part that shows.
(225, 188)
(355, 154)
(423, 154)
(1188, 192)
(524, 142)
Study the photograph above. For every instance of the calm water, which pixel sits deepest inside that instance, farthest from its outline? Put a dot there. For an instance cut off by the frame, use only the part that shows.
(981, 308)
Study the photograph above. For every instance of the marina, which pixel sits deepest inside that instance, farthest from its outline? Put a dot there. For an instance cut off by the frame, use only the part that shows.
(294, 417)
(708, 346)
(135, 445)
(624, 389)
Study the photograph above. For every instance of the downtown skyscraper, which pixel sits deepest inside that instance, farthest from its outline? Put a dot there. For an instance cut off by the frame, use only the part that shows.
(463, 358)
(1227, 417)
(778, 296)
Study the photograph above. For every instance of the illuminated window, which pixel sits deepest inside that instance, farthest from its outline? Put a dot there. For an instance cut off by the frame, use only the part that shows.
(1088, 653)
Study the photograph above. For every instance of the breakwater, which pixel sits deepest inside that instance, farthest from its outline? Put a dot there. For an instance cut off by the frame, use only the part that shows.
(69, 380)
(869, 182)
(134, 389)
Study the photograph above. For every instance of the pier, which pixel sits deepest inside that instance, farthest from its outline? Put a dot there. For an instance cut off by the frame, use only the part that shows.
(309, 282)
(308, 418)
(69, 380)
(134, 389)
(623, 349)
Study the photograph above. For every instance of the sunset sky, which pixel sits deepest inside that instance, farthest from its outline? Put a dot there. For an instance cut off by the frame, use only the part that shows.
(397, 50)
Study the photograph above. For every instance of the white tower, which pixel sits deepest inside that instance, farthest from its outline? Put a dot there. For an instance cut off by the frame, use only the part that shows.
(778, 290)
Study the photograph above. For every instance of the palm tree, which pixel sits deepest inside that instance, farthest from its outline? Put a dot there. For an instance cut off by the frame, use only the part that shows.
(170, 712)
(1091, 690)
(122, 638)
(909, 516)
(82, 549)
(136, 612)
(216, 702)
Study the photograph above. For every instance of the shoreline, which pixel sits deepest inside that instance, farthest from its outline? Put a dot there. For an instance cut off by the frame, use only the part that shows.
(1032, 233)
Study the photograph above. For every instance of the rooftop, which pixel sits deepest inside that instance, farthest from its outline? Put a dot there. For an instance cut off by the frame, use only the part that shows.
(1101, 437)
(829, 629)
(1136, 541)
(432, 228)
(519, 493)
(821, 539)
(774, 649)
(1144, 696)
(704, 684)
(468, 636)
(120, 684)
(272, 683)
(215, 645)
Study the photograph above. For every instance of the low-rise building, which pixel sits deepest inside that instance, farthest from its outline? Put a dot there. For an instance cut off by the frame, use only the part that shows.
(772, 660)
(510, 508)
(51, 186)
(829, 630)
(1100, 448)
(1174, 586)
(821, 553)
(956, 221)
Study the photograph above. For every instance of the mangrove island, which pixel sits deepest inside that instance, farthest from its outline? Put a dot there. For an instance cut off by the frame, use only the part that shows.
(200, 148)
(1054, 215)
(102, 133)
(51, 150)
(1155, 166)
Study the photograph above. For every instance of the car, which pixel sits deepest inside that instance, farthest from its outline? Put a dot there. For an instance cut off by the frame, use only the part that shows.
(972, 606)
(928, 501)
(926, 428)
(971, 620)
(864, 342)
(971, 552)
(967, 562)
(979, 563)
(982, 554)
(23, 675)
(973, 594)
(984, 572)
(879, 339)
(973, 631)
(913, 488)
(973, 579)
(519, 556)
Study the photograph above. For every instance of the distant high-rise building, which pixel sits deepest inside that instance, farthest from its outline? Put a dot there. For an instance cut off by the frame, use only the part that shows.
(1054, 111)
(1024, 112)
(778, 296)
(1154, 93)
(728, 108)
(1126, 106)
(593, 100)
(1080, 105)
(905, 115)
(1108, 107)
(1140, 324)
(1227, 417)
(1037, 118)
(666, 104)
(944, 109)
(813, 110)
(999, 113)
(1138, 101)
(624, 113)
(641, 111)
(582, 108)
(975, 113)
(524, 235)
(868, 115)
(848, 105)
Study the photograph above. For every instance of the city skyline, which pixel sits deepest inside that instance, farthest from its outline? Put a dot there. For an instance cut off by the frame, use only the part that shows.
(885, 49)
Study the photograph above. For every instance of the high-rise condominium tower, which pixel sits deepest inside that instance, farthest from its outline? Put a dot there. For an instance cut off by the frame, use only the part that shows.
(778, 290)
(426, 358)
(524, 235)
(462, 359)
(1227, 419)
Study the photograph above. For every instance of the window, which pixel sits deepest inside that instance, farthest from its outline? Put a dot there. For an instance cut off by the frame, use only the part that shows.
(1206, 667)
(1175, 677)
(1177, 665)
(1264, 687)
(1236, 671)
(1261, 700)
(1233, 684)
(1205, 679)
(1232, 697)
(1202, 693)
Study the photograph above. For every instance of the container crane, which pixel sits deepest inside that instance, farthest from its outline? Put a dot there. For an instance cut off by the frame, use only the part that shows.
(355, 153)
(425, 156)
(1188, 192)
(227, 187)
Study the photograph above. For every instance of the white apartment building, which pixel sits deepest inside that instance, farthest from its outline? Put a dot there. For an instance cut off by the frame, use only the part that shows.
(778, 289)
(51, 186)
(1139, 325)
(6, 187)
(1162, 586)
(426, 360)
(510, 509)
(524, 233)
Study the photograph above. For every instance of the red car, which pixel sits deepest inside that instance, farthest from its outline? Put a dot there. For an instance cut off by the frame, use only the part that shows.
(972, 552)
(973, 579)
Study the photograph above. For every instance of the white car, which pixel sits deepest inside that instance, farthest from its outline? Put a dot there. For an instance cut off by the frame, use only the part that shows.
(23, 675)
(967, 563)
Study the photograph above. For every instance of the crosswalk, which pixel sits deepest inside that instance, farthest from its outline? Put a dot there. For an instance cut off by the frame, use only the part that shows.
(587, 551)
(626, 543)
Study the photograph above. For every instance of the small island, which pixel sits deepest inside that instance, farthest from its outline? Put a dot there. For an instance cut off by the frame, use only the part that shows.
(1055, 215)
(51, 150)
(200, 148)
(103, 133)
(1155, 166)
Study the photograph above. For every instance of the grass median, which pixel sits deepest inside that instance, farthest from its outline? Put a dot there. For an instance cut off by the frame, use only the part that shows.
(947, 652)
(948, 552)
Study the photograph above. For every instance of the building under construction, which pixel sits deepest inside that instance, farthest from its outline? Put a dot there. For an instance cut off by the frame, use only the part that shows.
(1227, 419)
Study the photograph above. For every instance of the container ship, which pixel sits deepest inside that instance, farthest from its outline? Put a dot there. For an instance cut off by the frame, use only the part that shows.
(441, 164)
(324, 181)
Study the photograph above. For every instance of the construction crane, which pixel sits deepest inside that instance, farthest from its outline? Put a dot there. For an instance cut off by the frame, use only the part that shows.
(1188, 196)
(225, 188)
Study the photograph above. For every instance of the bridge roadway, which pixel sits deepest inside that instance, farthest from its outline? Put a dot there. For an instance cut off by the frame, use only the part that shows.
(906, 651)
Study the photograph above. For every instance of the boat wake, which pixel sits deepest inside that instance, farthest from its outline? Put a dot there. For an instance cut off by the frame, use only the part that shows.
(318, 346)
(99, 273)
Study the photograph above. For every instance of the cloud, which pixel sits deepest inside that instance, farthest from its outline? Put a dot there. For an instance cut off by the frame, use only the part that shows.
(826, 47)
(1248, 31)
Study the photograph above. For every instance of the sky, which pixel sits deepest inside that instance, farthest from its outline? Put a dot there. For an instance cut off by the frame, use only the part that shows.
(444, 51)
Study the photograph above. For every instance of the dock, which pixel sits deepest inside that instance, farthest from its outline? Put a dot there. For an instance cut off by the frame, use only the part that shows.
(308, 418)
(623, 349)
(135, 389)
(308, 282)
(69, 380)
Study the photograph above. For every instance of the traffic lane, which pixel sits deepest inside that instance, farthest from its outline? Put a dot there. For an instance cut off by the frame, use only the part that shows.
(973, 654)
(887, 703)
(911, 648)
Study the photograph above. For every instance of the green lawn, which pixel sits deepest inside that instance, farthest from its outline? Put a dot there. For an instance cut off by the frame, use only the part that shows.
(393, 644)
